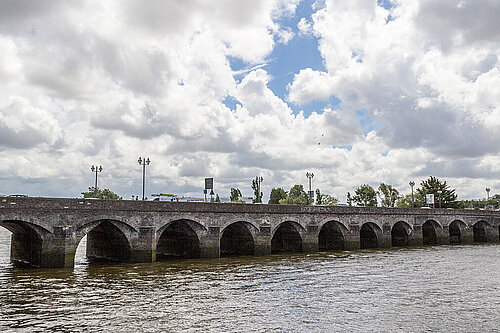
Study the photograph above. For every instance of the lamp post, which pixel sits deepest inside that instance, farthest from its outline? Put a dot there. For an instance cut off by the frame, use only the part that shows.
(412, 183)
(310, 177)
(96, 169)
(488, 195)
(143, 162)
(439, 192)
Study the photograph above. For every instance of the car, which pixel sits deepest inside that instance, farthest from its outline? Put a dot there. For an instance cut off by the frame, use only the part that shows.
(18, 196)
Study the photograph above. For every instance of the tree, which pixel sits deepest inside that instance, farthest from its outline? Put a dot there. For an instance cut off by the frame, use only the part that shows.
(389, 195)
(256, 189)
(349, 199)
(325, 199)
(276, 195)
(432, 185)
(296, 196)
(217, 198)
(235, 195)
(95, 192)
(365, 195)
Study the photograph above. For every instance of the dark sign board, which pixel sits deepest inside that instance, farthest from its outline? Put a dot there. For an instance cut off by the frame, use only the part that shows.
(209, 183)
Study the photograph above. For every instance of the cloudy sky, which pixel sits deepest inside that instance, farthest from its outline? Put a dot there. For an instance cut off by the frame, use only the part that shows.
(356, 91)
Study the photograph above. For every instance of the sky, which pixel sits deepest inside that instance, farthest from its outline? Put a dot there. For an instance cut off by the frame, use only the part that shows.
(355, 91)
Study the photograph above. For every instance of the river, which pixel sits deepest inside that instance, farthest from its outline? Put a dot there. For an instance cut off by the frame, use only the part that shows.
(425, 289)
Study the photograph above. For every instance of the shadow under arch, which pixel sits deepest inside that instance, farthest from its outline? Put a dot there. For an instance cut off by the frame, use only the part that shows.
(480, 231)
(107, 241)
(430, 231)
(331, 236)
(286, 238)
(400, 234)
(369, 235)
(455, 230)
(237, 239)
(179, 240)
(26, 242)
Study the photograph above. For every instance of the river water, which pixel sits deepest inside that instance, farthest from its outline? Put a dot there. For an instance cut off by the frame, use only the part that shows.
(427, 289)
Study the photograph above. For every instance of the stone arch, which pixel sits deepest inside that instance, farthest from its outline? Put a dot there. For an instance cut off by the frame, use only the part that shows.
(331, 236)
(480, 231)
(287, 238)
(400, 234)
(369, 235)
(237, 239)
(179, 240)
(456, 231)
(26, 242)
(107, 240)
(430, 232)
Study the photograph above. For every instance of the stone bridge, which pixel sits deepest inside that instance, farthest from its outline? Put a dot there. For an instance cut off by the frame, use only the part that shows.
(46, 231)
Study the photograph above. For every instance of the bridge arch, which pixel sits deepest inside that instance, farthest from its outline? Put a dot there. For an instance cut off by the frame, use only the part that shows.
(369, 235)
(287, 238)
(331, 236)
(179, 239)
(430, 231)
(26, 242)
(480, 231)
(237, 239)
(400, 234)
(108, 240)
(456, 230)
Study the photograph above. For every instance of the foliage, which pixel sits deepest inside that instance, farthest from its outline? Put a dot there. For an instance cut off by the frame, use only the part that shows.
(365, 195)
(349, 199)
(256, 190)
(276, 195)
(481, 204)
(235, 195)
(296, 196)
(388, 194)
(432, 185)
(325, 199)
(95, 192)
(217, 198)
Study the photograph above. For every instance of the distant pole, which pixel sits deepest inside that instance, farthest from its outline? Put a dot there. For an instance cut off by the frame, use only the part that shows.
(96, 169)
(310, 177)
(143, 162)
(488, 195)
(412, 183)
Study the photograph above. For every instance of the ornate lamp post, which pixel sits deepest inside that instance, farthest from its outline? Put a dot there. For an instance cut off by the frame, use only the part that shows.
(412, 183)
(143, 162)
(488, 195)
(96, 169)
(310, 177)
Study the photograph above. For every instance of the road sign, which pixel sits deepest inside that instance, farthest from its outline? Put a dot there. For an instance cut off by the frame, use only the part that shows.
(209, 183)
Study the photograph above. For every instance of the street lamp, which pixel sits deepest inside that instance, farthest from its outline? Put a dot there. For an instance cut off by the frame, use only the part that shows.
(143, 162)
(310, 177)
(439, 192)
(488, 195)
(96, 169)
(412, 183)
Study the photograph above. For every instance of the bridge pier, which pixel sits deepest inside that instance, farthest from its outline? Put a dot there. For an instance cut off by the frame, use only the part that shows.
(210, 243)
(352, 238)
(385, 238)
(142, 247)
(262, 241)
(415, 237)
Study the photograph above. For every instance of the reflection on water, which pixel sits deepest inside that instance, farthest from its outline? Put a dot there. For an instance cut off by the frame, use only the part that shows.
(446, 288)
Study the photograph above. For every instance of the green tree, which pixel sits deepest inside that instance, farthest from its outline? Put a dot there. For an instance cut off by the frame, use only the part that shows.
(217, 198)
(432, 185)
(325, 199)
(235, 195)
(389, 195)
(296, 196)
(256, 189)
(365, 195)
(95, 192)
(276, 195)
(349, 199)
